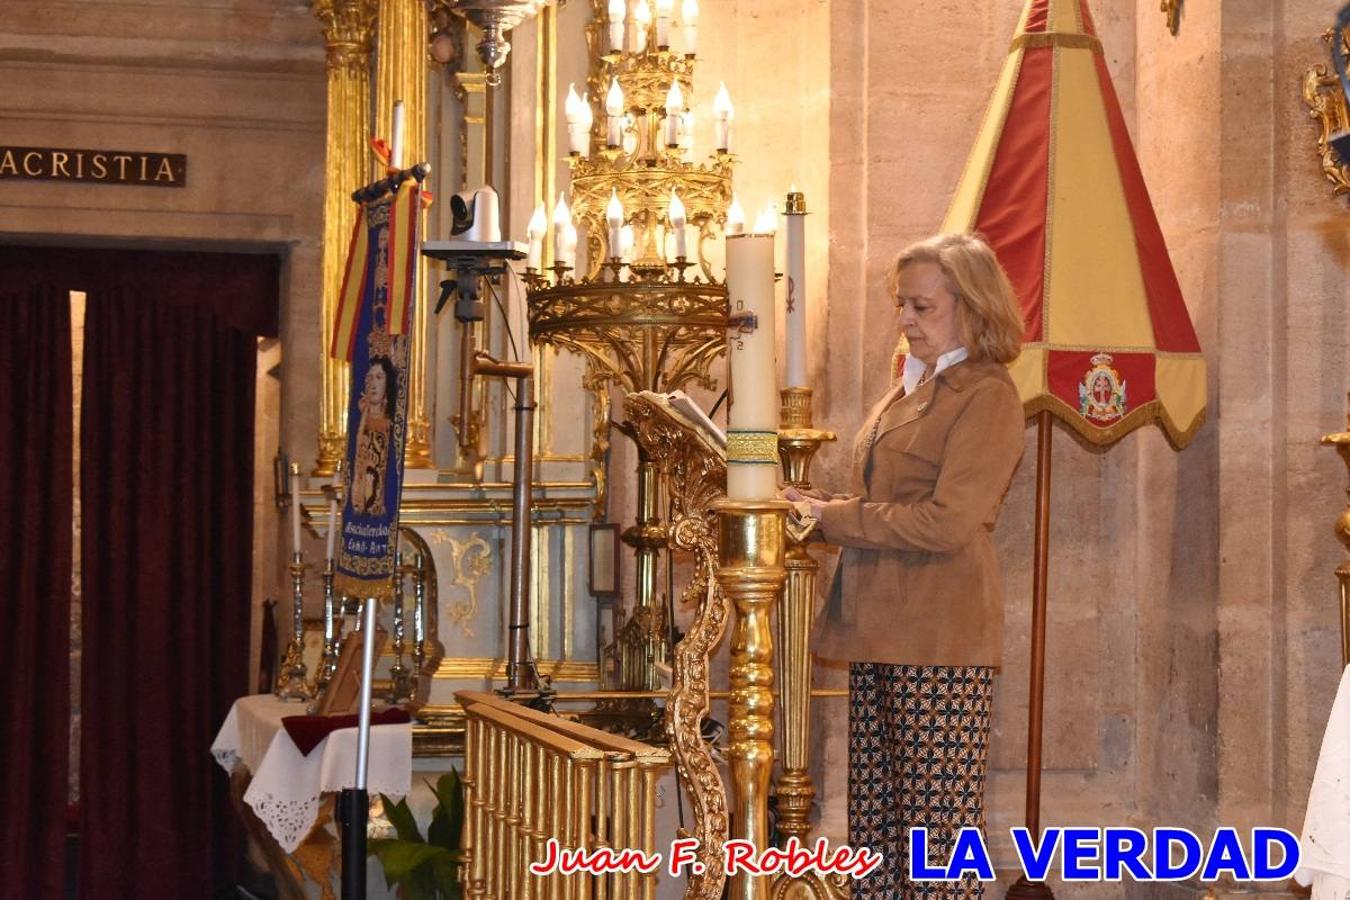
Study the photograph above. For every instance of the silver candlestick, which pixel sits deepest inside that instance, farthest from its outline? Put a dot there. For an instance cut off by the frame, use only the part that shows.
(398, 672)
(293, 684)
(331, 632)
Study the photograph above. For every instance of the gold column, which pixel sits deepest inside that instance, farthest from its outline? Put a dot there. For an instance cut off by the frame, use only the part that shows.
(751, 540)
(403, 30)
(347, 30)
(1341, 441)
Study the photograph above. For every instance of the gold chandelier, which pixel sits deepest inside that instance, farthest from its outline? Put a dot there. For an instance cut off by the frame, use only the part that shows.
(645, 311)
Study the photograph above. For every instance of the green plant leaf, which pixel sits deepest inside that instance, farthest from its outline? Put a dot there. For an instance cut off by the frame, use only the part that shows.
(401, 817)
(447, 877)
(448, 821)
(403, 860)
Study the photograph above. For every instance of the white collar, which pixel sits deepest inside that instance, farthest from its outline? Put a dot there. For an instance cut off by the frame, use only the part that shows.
(914, 367)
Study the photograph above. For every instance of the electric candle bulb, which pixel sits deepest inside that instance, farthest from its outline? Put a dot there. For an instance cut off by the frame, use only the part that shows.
(767, 220)
(534, 234)
(674, 106)
(627, 241)
(618, 14)
(664, 10)
(614, 111)
(690, 16)
(577, 128)
(724, 112)
(677, 222)
(687, 131)
(735, 217)
(562, 222)
(614, 217)
(642, 21)
(570, 245)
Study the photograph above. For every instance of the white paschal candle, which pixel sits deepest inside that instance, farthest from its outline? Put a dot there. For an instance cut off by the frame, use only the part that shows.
(795, 212)
(674, 109)
(618, 14)
(677, 223)
(723, 113)
(614, 113)
(689, 12)
(295, 507)
(534, 235)
(752, 437)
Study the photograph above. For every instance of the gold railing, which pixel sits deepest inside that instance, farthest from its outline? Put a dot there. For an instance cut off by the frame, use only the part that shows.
(530, 777)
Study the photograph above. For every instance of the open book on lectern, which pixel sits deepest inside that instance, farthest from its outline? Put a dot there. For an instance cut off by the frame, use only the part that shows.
(682, 407)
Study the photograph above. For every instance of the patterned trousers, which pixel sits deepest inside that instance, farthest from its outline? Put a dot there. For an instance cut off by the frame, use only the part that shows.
(918, 744)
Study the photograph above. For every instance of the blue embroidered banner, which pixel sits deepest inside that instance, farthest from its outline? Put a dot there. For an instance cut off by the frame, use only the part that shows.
(377, 405)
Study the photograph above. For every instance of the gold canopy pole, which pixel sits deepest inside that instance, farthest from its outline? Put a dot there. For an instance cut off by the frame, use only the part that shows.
(347, 29)
(401, 42)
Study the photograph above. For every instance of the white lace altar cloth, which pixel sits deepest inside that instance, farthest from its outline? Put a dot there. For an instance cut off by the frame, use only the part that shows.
(287, 786)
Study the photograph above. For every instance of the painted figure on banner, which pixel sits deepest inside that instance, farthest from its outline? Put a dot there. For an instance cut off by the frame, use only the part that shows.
(378, 405)
(371, 334)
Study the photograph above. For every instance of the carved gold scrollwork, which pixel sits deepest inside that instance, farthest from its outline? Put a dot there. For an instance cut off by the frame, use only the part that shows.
(1173, 10)
(1326, 103)
(697, 473)
(470, 560)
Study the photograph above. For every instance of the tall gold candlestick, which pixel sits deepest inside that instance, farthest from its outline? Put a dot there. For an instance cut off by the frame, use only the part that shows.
(798, 442)
(751, 541)
(1341, 441)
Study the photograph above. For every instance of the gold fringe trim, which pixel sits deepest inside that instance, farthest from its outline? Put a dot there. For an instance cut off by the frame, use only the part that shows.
(1068, 39)
(381, 588)
(1152, 412)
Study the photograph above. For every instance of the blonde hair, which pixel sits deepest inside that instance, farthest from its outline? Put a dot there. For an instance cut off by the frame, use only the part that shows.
(987, 314)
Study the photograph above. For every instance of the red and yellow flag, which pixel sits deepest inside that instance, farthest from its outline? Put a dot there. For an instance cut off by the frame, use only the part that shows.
(1054, 184)
(394, 223)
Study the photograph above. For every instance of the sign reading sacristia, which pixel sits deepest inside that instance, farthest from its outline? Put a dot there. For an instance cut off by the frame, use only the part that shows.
(102, 166)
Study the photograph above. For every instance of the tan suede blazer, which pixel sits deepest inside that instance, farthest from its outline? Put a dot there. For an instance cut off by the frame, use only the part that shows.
(918, 582)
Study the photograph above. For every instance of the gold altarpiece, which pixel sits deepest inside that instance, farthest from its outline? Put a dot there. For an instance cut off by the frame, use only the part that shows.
(460, 507)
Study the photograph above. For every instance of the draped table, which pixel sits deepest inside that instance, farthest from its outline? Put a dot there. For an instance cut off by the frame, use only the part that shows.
(287, 787)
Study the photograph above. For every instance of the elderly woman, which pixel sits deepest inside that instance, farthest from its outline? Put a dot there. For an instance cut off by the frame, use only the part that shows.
(916, 604)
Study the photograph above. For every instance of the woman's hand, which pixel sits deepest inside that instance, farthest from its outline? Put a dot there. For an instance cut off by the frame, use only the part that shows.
(814, 504)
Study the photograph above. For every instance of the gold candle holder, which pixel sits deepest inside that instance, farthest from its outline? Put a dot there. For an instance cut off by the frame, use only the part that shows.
(1341, 441)
(293, 684)
(751, 542)
(798, 442)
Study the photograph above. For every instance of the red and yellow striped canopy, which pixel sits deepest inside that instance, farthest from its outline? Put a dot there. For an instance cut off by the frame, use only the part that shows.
(1054, 184)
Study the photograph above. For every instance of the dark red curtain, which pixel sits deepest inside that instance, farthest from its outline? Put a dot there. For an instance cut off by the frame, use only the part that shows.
(35, 561)
(167, 506)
